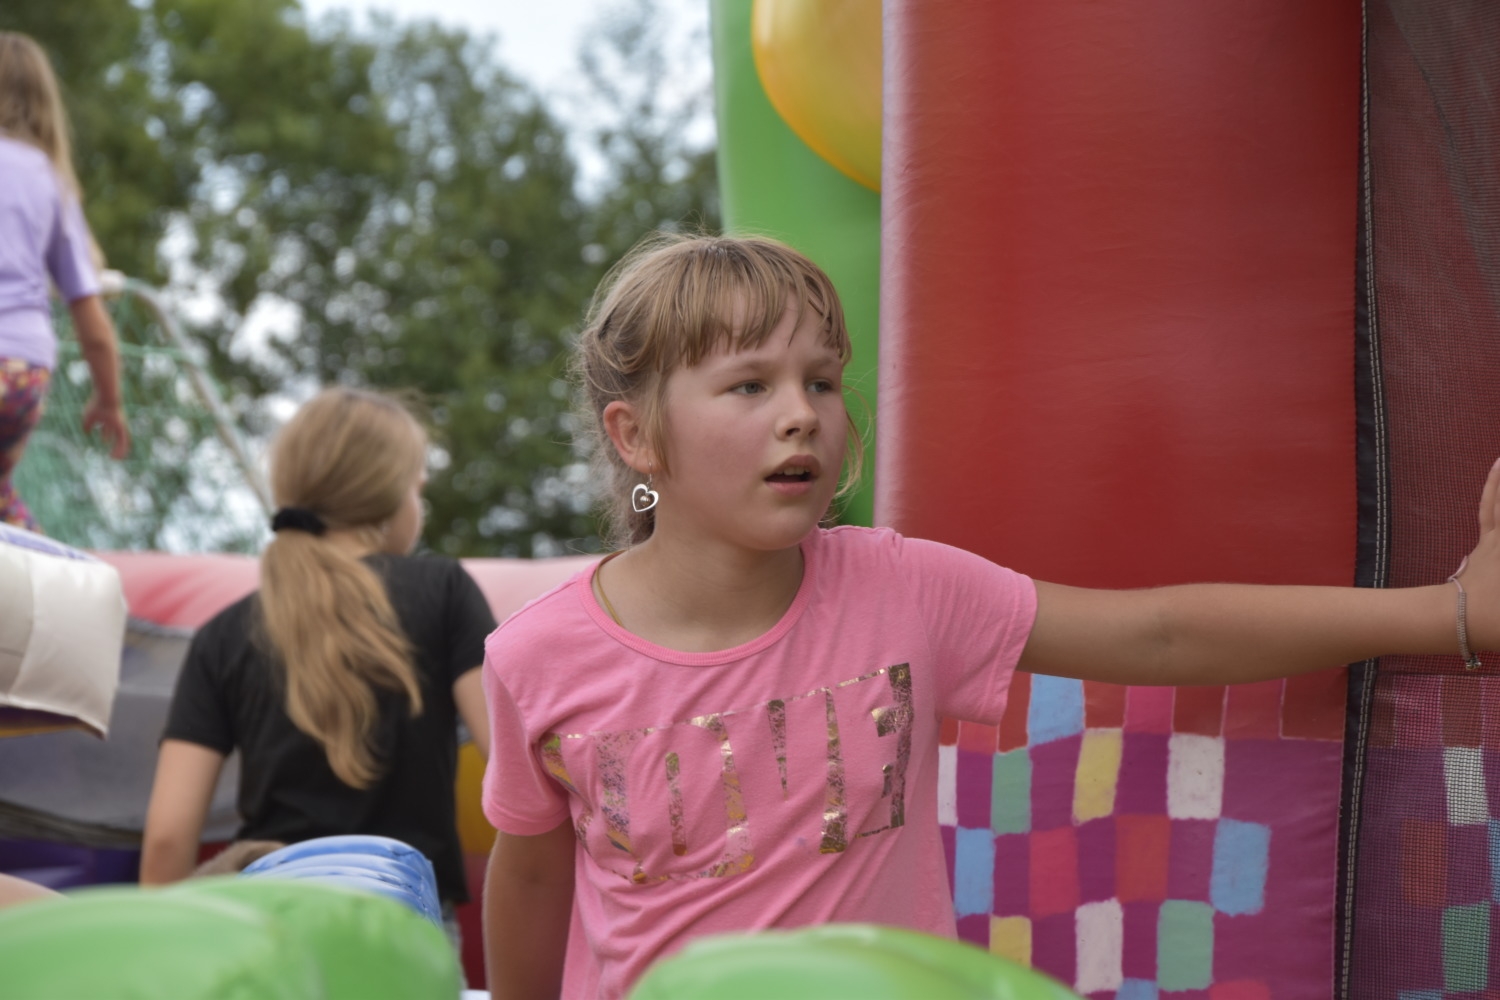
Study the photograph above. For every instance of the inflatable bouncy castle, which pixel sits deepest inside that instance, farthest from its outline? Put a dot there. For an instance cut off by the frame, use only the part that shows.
(72, 805)
(1141, 294)
(1174, 292)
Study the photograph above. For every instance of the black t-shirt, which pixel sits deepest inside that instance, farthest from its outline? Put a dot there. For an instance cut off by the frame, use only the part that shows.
(230, 695)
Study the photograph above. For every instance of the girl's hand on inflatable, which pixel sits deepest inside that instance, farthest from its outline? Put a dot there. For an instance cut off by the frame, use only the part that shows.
(109, 421)
(1480, 571)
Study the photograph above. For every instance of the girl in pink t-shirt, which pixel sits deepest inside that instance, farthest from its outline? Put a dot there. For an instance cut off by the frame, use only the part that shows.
(731, 722)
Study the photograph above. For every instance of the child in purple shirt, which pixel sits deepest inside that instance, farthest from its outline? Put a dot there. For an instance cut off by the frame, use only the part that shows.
(43, 235)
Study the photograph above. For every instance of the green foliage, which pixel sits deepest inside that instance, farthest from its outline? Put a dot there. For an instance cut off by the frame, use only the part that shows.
(390, 207)
(659, 177)
(183, 486)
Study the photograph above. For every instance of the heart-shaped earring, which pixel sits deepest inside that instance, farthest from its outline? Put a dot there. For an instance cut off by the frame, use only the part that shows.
(643, 497)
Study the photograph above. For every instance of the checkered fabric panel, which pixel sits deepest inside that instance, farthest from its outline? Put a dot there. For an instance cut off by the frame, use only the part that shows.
(1151, 842)
(1429, 844)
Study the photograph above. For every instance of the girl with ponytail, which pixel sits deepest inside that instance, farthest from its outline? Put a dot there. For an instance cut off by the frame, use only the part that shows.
(342, 679)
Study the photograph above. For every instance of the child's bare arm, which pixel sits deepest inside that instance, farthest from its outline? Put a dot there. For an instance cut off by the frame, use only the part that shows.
(1230, 633)
(528, 904)
(181, 792)
(468, 695)
(14, 891)
(99, 343)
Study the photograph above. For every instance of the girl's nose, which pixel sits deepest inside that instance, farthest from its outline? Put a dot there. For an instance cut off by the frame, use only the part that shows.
(800, 418)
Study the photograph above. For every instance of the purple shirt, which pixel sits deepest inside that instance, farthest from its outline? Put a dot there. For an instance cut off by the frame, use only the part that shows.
(42, 233)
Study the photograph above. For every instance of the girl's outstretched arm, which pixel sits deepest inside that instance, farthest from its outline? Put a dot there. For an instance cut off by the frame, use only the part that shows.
(528, 905)
(1236, 633)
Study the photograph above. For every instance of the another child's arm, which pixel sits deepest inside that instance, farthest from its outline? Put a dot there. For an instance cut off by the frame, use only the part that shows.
(181, 793)
(1232, 633)
(96, 338)
(14, 891)
(528, 905)
(468, 695)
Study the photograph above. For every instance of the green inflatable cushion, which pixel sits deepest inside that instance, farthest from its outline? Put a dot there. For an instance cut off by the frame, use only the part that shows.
(132, 944)
(367, 946)
(225, 938)
(841, 962)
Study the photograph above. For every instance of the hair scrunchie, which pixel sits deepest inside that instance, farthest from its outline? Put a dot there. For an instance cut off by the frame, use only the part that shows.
(298, 519)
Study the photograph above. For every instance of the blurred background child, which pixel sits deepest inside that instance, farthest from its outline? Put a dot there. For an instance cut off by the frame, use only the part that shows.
(43, 236)
(342, 680)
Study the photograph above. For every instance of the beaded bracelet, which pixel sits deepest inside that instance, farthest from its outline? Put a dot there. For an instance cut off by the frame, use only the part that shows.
(1471, 661)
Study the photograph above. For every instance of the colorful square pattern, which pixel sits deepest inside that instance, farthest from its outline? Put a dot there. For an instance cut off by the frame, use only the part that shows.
(1151, 843)
(1429, 847)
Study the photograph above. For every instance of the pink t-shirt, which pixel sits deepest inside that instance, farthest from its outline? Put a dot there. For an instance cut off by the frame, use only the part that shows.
(787, 782)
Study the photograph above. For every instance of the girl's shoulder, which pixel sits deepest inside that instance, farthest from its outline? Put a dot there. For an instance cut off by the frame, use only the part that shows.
(549, 615)
(16, 153)
(427, 573)
(854, 536)
(848, 545)
(28, 168)
(856, 551)
(427, 562)
(233, 626)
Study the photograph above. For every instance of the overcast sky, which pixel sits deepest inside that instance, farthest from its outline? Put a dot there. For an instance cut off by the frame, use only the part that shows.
(537, 39)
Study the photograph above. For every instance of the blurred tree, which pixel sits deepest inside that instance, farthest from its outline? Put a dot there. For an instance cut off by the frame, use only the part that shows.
(383, 206)
(462, 284)
(660, 170)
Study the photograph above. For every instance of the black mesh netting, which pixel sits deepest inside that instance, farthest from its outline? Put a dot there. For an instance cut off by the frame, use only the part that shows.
(1425, 738)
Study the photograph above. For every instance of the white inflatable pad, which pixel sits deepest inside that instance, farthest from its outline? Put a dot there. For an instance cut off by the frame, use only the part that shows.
(62, 625)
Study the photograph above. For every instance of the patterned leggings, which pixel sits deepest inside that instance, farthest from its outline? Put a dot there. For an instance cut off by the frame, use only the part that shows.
(23, 388)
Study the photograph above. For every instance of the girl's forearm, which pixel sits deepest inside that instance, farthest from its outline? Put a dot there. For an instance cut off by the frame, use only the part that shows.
(180, 795)
(166, 859)
(1231, 633)
(98, 342)
(1238, 633)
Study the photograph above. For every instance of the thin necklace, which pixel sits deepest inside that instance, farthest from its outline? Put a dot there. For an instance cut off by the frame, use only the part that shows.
(599, 589)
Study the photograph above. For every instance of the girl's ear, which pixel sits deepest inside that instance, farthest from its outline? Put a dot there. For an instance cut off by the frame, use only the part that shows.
(627, 432)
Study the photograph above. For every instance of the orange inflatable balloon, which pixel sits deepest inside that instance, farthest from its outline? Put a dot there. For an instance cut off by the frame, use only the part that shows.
(819, 61)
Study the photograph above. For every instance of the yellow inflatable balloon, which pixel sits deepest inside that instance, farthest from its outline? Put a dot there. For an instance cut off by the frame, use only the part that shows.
(819, 61)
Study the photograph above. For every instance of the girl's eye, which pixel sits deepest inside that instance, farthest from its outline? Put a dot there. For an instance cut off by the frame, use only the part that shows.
(822, 385)
(748, 388)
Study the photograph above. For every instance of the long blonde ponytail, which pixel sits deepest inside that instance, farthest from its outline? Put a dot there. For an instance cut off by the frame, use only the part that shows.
(351, 458)
(31, 105)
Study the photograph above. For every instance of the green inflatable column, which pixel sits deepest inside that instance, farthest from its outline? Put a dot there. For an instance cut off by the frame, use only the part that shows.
(773, 184)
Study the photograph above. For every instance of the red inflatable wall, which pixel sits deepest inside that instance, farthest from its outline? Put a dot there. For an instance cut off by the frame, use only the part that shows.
(1118, 293)
(1117, 351)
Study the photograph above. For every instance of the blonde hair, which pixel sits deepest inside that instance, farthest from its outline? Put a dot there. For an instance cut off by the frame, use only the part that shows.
(351, 457)
(31, 105)
(671, 302)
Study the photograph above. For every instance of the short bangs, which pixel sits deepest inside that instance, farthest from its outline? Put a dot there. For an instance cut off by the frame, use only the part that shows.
(692, 298)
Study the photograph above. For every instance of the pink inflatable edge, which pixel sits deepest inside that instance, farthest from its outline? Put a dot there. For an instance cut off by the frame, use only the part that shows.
(184, 591)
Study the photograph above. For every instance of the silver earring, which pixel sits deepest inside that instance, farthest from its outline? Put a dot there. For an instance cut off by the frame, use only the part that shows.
(643, 497)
